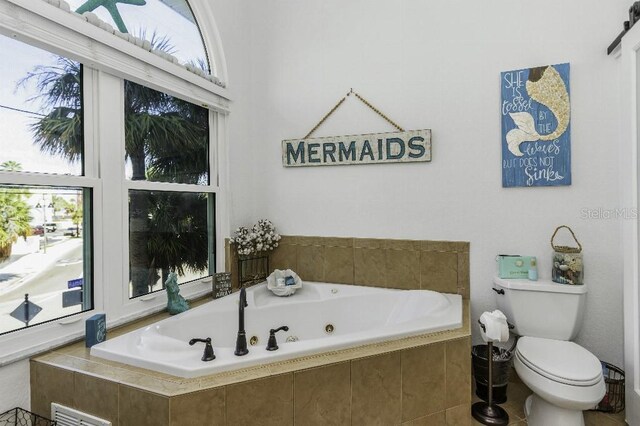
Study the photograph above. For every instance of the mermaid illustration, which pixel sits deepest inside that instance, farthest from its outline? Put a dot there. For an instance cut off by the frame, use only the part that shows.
(545, 86)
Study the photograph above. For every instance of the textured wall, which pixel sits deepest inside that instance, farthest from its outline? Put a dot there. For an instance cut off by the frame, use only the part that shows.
(437, 65)
(14, 386)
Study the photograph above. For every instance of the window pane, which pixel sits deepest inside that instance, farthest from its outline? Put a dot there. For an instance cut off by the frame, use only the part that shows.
(168, 232)
(166, 138)
(40, 110)
(168, 25)
(45, 253)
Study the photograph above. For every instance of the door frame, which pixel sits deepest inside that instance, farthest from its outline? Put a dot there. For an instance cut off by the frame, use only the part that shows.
(629, 184)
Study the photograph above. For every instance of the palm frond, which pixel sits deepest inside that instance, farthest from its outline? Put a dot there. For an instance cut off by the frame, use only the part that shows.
(60, 133)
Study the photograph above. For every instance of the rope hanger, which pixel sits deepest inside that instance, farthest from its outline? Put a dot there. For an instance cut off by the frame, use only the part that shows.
(364, 101)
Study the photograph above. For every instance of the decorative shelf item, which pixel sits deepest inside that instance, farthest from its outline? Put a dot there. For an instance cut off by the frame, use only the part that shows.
(253, 247)
(283, 283)
(567, 265)
(253, 269)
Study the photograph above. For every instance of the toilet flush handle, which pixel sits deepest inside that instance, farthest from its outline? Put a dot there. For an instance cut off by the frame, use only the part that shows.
(499, 291)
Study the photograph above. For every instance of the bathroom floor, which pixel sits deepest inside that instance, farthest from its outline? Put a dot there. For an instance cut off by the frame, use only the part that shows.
(517, 392)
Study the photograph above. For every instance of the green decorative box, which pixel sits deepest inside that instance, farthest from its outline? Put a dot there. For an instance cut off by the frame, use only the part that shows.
(514, 266)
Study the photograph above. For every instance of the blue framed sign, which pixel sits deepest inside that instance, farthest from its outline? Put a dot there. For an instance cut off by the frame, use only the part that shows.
(536, 127)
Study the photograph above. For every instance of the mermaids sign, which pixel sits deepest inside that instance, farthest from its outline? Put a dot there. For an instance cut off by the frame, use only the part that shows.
(396, 147)
(536, 127)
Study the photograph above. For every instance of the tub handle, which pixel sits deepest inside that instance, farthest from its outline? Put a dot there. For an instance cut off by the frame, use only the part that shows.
(272, 344)
(208, 349)
(498, 290)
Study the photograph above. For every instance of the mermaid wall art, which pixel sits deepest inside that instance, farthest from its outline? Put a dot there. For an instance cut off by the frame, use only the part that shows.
(536, 127)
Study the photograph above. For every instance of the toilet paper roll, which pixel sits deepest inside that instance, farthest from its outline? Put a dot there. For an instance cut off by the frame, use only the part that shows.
(496, 328)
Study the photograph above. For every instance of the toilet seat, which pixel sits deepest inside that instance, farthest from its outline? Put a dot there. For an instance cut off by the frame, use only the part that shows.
(560, 361)
(551, 369)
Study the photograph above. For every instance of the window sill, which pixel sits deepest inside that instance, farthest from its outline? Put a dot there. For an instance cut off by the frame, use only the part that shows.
(196, 295)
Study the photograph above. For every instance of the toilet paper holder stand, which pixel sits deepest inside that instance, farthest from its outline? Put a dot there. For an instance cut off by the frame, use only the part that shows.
(489, 413)
(484, 328)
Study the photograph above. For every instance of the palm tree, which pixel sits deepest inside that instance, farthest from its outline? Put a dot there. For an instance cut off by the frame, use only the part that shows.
(76, 218)
(178, 228)
(11, 166)
(14, 219)
(166, 139)
(60, 131)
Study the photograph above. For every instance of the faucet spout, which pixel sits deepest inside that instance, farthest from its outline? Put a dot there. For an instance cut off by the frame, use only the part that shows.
(241, 340)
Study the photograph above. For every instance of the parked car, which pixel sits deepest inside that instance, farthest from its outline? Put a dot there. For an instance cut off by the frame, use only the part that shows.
(37, 230)
(71, 231)
(51, 227)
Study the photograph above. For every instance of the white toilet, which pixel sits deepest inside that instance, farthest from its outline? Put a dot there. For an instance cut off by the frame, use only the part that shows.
(565, 378)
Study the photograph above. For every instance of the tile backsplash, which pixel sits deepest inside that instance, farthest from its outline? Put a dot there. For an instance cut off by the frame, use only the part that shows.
(406, 264)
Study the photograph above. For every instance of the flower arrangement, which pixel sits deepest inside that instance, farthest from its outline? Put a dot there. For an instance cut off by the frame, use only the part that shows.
(261, 237)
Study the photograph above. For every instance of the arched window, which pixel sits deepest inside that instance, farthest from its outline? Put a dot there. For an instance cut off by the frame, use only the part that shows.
(112, 167)
(169, 25)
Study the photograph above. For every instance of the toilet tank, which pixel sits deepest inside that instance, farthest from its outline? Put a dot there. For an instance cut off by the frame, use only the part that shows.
(541, 308)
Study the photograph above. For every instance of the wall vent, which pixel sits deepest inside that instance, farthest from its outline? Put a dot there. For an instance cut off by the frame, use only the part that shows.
(65, 416)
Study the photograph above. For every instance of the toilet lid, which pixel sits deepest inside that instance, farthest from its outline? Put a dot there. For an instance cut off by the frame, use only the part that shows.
(560, 361)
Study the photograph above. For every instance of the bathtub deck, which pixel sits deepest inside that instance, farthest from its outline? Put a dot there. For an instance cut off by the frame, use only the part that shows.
(76, 357)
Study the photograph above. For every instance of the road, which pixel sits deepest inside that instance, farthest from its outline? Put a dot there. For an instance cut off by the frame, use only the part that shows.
(45, 289)
(54, 279)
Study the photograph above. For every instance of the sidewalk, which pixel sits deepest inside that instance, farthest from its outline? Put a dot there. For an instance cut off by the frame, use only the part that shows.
(22, 270)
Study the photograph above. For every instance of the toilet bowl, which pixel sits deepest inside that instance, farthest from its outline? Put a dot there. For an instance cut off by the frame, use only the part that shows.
(565, 378)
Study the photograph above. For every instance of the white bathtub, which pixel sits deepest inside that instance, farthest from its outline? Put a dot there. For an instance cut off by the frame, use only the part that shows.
(359, 315)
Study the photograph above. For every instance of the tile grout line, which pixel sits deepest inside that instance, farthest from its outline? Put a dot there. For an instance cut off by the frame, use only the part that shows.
(401, 387)
(293, 397)
(351, 393)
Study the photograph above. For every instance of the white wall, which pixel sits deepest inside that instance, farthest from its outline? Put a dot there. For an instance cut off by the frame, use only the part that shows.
(14, 386)
(231, 18)
(437, 65)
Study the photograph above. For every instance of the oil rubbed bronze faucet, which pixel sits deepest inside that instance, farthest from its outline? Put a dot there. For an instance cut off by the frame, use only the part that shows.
(208, 349)
(272, 344)
(241, 341)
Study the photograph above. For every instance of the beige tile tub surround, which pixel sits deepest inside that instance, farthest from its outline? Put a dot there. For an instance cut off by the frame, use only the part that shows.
(399, 387)
(406, 264)
(417, 380)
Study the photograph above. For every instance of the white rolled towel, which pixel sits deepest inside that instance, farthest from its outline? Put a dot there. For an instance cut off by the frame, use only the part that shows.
(496, 328)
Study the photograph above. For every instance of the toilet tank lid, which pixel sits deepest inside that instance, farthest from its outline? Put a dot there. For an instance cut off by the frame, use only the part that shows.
(541, 285)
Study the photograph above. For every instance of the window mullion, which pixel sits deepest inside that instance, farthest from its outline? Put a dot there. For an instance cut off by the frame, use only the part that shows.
(146, 185)
(90, 118)
(222, 206)
(114, 242)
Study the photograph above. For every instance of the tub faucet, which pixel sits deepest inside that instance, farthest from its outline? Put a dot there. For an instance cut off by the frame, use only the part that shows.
(208, 349)
(241, 341)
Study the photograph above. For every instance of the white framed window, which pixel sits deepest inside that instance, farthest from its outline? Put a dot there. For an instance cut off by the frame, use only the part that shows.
(173, 197)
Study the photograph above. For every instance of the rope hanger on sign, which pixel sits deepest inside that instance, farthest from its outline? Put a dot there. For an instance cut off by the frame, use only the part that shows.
(364, 101)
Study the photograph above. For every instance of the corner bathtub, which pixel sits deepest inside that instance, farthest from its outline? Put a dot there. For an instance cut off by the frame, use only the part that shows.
(359, 316)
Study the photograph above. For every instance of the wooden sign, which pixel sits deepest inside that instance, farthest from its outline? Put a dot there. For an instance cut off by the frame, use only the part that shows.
(396, 147)
(536, 127)
(221, 284)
